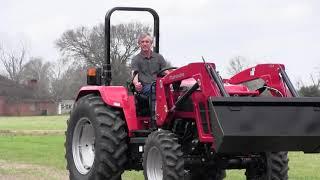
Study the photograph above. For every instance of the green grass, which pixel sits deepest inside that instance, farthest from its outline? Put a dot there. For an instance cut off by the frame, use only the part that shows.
(33, 123)
(41, 150)
(132, 175)
(304, 166)
(48, 150)
(301, 167)
(45, 150)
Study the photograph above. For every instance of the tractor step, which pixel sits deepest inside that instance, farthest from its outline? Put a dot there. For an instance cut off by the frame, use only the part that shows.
(246, 124)
(141, 133)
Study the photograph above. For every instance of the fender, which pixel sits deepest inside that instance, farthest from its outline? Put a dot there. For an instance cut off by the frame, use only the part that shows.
(115, 96)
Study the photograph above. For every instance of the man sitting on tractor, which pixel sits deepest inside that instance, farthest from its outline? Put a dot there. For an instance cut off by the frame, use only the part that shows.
(146, 65)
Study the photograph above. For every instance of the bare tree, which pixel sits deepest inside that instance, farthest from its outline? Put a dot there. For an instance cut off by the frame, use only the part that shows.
(68, 83)
(237, 64)
(86, 47)
(13, 62)
(40, 71)
(312, 90)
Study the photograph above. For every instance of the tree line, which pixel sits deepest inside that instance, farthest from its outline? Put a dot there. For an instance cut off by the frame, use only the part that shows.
(79, 49)
(240, 63)
(83, 47)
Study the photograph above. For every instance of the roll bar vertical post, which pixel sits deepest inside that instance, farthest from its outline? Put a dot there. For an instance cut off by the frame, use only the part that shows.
(107, 65)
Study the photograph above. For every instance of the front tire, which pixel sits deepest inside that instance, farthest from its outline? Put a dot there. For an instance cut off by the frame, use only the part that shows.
(275, 167)
(162, 157)
(96, 141)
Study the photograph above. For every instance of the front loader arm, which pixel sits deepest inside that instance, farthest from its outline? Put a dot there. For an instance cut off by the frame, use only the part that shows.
(165, 99)
(272, 76)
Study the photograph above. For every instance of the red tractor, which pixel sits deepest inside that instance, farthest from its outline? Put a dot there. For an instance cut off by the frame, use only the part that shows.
(202, 125)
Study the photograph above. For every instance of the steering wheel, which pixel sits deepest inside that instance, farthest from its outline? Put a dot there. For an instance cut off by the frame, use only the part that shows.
(160, 73)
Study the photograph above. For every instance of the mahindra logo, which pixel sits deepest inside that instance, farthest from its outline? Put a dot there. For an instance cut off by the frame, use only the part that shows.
(173, 77)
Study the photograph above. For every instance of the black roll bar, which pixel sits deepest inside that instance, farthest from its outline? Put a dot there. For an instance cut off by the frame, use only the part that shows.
(107, 66)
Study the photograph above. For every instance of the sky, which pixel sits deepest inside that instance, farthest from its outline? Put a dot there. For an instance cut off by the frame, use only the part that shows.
(264, 31)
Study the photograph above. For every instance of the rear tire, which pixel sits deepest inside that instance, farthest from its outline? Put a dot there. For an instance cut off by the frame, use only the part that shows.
(96, 141)
(162, 157)
(276, 167)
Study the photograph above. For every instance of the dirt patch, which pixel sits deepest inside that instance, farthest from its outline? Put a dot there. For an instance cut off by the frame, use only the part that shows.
(31, 132)
(22, 171)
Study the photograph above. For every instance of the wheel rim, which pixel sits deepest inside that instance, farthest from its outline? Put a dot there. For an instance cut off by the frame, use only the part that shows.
(154, 164)
(83, 146)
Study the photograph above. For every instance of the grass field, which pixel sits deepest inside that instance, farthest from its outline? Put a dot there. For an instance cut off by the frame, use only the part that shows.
(33, 123)
(32, 148)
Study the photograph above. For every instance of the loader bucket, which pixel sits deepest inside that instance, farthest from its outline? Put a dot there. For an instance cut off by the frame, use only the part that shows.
(261, 124)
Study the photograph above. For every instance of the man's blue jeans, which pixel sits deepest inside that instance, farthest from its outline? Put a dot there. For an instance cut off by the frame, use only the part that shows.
(146, 90)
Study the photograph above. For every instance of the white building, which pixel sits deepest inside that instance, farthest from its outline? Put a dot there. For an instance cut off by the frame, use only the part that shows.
(65, 106)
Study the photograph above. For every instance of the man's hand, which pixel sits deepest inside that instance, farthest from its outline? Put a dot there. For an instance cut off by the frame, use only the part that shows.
(138, 86)
(136, 83)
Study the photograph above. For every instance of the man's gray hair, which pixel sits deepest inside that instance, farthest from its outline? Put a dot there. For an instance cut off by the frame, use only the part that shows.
(143, 35)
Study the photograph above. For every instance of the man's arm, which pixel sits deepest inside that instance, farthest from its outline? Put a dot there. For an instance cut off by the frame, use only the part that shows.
(135, 75)
(135, 78)
(163, 64)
